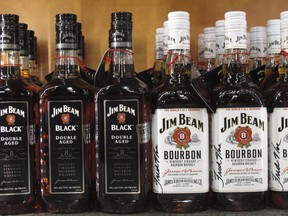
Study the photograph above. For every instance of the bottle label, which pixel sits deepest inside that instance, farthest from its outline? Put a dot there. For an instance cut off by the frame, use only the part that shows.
(66, 40)
(274, 44)
(284, 40)
(209, 50)
(278, 149)
(236, 39)
(258, 49)
(122, 150)
(220, 45)
(180, 150)
(178, 39)
(239, 150)
(15, 146)
(66, 145)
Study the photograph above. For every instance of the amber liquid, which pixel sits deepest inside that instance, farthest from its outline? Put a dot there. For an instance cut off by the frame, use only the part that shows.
(276, 96)
(238, 91)
(16, 89)
(66, 89)
(124, 203)
(178, 94)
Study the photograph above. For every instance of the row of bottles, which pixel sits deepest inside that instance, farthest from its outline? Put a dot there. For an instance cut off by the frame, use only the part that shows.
(117, 144)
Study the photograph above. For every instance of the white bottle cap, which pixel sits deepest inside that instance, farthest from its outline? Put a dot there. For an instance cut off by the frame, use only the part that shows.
(273, 22)
(235, 15)
(284, 14)
(178, 15)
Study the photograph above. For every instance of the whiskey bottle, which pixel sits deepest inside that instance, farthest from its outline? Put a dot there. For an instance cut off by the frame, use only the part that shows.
(17, 110)
(278, 103)
(179, 130)
(239, 129)
(273, 54)
(258, 52)
(32, 56)
(209, 48)
(66, 116)
(159, 65)
(123, 141)
(25, 74)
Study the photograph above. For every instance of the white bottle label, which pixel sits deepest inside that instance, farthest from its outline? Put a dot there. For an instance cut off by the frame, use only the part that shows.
(209, 50)
(258, 49)
(239, 150)
(236, 39)
(178, 39)
(274, 45)
(278, 149)
(180, 148)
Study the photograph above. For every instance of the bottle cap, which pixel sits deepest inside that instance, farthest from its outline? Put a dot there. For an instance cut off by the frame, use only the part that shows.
(178, 15)
(9, 31)
(66, 32)
(23, 39)
(235, 15)
(284, 14)
(121, 30)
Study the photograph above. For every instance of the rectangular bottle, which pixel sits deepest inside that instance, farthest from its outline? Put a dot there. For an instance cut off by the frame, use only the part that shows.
(123, 128)
(66, 117)
(239, 129)
(180, 133)
(17, 129)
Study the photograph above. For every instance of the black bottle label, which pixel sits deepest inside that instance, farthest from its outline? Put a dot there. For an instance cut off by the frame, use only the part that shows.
(14, 152)
(66, 147)
(122, 168)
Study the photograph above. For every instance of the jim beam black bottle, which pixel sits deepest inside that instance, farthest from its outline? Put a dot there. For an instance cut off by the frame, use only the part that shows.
(123, 129)
(66, 117)
(239, 129)
(17, 128)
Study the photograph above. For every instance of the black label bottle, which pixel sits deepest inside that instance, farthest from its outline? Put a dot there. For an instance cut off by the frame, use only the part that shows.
(123, 129)
(239, 129)
(17, 129)
(66, 138)
(179, 130)
(278, 127)
(32, 56)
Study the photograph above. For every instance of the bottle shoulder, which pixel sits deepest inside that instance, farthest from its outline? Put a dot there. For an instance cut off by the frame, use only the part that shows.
(237, 96)
(17, 87)
(67, 87)
(277, 95)
(176, 96)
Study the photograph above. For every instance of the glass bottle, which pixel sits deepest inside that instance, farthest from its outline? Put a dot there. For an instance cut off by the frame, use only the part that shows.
(278, 103)
(179, 130)
(273, 54)
(258, 52)
(220, 42)
(239, 129)
(66, 116)
(123, 129)
(17, 117)
(32, 56)
(200, 59)
(158, 69)
(209, 48)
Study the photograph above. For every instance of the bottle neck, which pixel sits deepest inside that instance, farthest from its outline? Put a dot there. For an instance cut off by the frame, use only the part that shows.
(210, 64)
(179, 66)
(219, 59)
(67, 64)
(25, 72)
(121, 64)
(257, 62)
(236, 66)
(32, 67)
(9, 64)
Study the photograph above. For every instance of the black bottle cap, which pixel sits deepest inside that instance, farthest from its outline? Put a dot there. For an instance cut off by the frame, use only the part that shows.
(31, 45)
(120, 34)
(66, 32)
(9, 32)
(23, 39)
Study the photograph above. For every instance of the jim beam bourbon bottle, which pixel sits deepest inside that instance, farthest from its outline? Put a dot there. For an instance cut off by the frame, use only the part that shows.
(123, 129)
(66, 115)
(239, 129)
(278, 127)
(179, 130)
(17, 129)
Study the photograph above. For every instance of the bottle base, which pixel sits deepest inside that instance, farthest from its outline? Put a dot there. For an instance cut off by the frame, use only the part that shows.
(238, 201)
(175, 203)
(278, 200)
